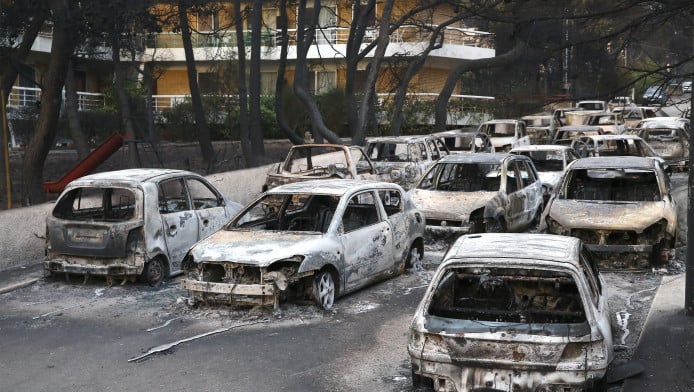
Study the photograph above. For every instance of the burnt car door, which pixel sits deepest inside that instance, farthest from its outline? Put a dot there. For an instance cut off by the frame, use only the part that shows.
(180, 222)
(367, 240)
(531, 189)
(208, 205)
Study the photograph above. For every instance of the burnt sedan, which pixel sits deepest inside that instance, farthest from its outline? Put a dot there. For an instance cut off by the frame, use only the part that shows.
(129, 223)
(513, 312)
(479, 192)
(621, 207)
(307, 240)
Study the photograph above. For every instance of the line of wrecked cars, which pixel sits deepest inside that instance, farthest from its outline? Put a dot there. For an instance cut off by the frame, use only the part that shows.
(503, 311)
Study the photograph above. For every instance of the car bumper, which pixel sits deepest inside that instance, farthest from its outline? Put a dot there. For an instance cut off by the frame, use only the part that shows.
(446, 232)
(450, 377)
(620, 257)
(253, 294)
(114, 269)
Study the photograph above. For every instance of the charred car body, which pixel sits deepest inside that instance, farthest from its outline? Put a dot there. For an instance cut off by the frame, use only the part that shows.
(321, 161)
(513, 312)
(551, 161)
(505, 133)
(405, 158)
(620, 207)
(462, 142)
(669, 138)
(129, 223)
(308, 240)
(479, 192)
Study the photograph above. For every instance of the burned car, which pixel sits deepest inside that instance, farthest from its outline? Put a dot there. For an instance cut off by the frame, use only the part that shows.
(620, 207)
(322, 161)
(462, 142)
(565, 135)
(405, 158)
(307, 240)
(513, 312)
(669, 138)
(132, 223)
(505, 133)
(479, 192)
(611, 122)
(550, 160)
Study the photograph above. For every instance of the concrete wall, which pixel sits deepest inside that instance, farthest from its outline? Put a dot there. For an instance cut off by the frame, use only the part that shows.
(23, 230)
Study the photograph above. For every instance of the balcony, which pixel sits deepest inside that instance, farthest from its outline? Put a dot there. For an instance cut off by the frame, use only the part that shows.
(31, 96)
(456, 43)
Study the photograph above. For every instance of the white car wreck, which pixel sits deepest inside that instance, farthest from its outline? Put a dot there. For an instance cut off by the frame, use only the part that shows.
(307, 240)
(132, 223)
(513, 312)
(479, 192)
(550, 160)
(620, 207)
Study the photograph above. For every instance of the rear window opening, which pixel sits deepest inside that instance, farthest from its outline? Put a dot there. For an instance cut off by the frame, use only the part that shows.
(96, 205)
(613, 185)
(508, 295)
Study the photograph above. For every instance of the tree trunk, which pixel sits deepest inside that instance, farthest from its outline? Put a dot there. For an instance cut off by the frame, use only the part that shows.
(124, 101)
(72, 112)
(280, 84)
(304, 39)
(203, 132)
(245, 133)
(256, 128)
(35, 155)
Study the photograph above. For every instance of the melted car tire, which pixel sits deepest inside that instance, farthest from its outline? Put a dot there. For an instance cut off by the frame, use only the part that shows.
(324, 290)
(154, 272)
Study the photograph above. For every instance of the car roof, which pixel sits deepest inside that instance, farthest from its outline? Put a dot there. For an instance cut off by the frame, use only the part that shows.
(541, 147)
(476, 157)
(319, 145)
(613, 137)
(580, 128)
(501, 121)
(132, 176)
(399, 139)
(512, 246)
(336, 187)
(614, 162)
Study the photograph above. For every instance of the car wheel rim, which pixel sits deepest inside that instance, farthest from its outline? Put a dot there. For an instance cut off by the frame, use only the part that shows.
(326, 291)
(155, 272)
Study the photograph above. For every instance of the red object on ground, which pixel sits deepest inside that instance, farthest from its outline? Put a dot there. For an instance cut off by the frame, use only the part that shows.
(86, 165)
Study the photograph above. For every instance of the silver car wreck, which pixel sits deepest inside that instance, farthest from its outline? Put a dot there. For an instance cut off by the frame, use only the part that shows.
(513, 312)
(479, 192)
(307, 240)
(322, 161)
(620, 207)
(405, 158)
(550, 160)
(132, 223)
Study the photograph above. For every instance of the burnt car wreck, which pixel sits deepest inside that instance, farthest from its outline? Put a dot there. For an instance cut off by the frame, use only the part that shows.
(313, 240)
(620, 207)
(502, 317)
(131, 223)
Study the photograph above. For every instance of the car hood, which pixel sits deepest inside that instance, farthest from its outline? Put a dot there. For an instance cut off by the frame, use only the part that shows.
(260, 248)
(450, 205)
(607, 215)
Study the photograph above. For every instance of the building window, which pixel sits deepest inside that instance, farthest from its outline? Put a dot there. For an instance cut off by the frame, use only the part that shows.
(323, 81)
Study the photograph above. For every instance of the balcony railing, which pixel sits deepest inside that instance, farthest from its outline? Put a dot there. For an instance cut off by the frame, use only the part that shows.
(328, 36)
(31, 96)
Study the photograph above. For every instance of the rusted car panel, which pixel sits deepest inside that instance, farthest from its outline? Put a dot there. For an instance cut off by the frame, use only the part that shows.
(405, 158)
(322, 161)
(479, 192)
(130, 223)
(309, 240)
(512, 312)
(620, 207)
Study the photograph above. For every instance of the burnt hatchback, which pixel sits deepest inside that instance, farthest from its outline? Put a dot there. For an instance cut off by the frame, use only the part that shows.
(132, 223)
(307, 240)
(513, 312)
